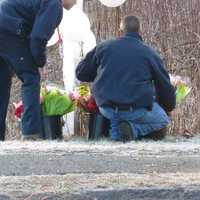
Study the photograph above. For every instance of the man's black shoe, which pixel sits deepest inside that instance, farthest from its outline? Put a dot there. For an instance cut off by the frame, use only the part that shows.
(157, 135)
(115, 140)
(34, 137)
(126, 131)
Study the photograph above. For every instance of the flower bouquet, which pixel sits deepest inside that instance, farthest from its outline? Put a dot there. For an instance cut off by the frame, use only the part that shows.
(182, 87)
(19, 109)
(84, 100)
(92, 124)
(55, 102)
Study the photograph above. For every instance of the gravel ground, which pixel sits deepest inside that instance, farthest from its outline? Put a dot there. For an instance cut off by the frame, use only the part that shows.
(80, 170)
(102, 187)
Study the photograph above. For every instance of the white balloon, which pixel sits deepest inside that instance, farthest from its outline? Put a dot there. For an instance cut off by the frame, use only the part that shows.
(78, 39)
(112, 3)
(79, 3)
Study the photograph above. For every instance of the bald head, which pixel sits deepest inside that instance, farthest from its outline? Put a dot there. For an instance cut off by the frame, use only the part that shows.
(130, 24)
(68, 4)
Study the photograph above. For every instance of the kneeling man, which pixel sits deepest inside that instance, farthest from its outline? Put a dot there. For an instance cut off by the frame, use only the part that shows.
(130, 84)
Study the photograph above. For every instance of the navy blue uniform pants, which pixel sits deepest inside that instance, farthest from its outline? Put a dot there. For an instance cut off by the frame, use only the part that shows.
(15, 56)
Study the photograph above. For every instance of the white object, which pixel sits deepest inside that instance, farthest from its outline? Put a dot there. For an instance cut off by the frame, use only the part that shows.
(79, 3)
(54, 39)
(78, 40)
(112, 3)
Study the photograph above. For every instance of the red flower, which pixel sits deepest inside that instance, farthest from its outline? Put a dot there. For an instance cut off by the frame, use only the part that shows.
(91, 105)
(19, 109)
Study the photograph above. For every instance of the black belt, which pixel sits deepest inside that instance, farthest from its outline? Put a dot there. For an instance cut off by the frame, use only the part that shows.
(125, 107)
(122, 107)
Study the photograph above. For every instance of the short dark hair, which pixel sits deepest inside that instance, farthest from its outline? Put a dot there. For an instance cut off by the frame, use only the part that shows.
(131, 24)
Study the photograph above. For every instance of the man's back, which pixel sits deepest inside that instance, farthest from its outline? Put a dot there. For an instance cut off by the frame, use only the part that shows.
(124, 70)
(125, 74)
(19, 8)
(19, 16)
(15, 13)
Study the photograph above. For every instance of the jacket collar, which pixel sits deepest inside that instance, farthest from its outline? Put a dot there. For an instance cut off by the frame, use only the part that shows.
(134, 35)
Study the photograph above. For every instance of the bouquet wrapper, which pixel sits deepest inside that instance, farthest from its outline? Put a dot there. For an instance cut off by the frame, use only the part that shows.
(182, 87)
(55, 103)
(182, 92)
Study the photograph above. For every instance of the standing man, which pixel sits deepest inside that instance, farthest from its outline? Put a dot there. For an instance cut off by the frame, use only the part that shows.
(128, 77)
(25, 28)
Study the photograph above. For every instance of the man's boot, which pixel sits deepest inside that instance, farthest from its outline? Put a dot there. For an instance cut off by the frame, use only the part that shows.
(2, 136)
(157, 135)
(34, 137)
(126, 131)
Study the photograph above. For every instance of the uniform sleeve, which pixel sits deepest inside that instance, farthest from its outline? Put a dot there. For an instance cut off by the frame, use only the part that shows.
(164, 89)
(86, 70)
(47, 19)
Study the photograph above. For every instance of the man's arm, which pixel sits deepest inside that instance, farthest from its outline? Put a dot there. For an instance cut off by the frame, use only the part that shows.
(48, 18)
(164, 89)
(86, 70)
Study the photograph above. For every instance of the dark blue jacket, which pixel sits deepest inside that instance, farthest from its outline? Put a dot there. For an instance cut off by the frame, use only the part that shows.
(122, 72)
(34, 20)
